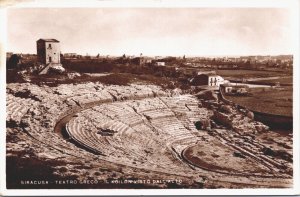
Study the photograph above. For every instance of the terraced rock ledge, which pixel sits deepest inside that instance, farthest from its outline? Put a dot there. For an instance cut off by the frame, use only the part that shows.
(137, 136)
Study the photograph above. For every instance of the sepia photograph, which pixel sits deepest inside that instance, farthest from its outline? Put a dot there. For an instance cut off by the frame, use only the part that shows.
(151, 97)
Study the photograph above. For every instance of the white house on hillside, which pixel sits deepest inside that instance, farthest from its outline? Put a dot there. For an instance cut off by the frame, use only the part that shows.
(208, 79)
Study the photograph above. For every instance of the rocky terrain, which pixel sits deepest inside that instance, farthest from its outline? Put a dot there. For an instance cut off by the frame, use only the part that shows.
(138, 136)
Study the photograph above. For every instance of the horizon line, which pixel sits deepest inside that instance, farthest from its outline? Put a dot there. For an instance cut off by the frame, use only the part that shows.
(169, 55)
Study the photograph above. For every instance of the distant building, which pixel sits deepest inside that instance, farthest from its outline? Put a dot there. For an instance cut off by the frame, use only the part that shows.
(160, 63)
(188, 64)
(212, 72)
(141, 60)
(48, 54)
(70, 55)
(230, 89)
(208, 79)
(48, 51)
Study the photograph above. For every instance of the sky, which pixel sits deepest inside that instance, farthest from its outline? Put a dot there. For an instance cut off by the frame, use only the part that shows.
(153, 31)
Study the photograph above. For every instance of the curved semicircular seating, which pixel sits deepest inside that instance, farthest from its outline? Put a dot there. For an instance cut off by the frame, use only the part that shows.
(138, 128)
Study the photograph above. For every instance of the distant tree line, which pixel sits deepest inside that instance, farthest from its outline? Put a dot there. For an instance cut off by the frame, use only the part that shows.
(115, 66)
(88, 66)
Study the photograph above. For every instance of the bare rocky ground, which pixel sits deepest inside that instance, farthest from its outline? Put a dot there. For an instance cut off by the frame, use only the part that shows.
(139, 136)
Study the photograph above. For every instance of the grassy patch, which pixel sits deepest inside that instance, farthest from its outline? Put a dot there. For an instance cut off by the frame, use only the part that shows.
(286, 80)
(249, 73)
(273, 101)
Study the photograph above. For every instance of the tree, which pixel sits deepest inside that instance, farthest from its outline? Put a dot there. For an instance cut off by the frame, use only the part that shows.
(13, 61)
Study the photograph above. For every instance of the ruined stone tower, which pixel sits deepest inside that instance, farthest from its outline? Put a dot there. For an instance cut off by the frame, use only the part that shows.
(48, 51)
